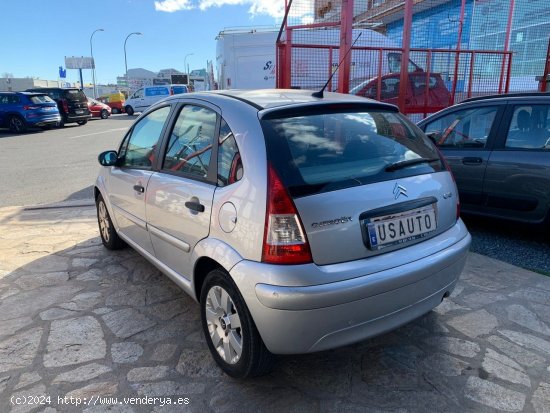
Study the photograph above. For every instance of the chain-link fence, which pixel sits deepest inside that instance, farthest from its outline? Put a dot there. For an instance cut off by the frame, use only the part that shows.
(455, 49)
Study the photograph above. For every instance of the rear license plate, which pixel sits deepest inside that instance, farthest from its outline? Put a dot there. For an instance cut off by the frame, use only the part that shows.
(385, 231)
(79, 112)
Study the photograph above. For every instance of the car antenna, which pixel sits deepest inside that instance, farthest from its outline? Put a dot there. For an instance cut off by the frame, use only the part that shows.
(319, 94)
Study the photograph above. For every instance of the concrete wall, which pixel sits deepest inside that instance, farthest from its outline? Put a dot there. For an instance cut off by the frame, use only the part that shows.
(20, 84)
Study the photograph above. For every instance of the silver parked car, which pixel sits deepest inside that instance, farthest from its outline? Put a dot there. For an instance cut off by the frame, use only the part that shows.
(298, 223)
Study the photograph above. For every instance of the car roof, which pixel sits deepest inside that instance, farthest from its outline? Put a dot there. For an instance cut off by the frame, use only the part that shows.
(508, 95)
(276, 98)
(23, 93)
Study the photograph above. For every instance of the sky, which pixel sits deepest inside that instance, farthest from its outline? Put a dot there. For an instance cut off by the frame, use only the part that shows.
(36, 35)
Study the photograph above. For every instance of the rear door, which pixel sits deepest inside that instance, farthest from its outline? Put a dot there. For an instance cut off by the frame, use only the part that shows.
(179, 197)
(127, 182)
(465, 137)
(517, 181)
(351, 173)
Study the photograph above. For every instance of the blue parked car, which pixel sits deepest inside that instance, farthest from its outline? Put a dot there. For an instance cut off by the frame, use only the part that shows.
(21, 110)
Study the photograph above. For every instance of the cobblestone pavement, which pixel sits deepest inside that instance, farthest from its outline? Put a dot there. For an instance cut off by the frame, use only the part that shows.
(78, 320)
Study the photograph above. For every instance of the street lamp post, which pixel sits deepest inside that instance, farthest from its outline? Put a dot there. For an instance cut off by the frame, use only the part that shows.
(185, 67)
(126, 60)
(93, 63)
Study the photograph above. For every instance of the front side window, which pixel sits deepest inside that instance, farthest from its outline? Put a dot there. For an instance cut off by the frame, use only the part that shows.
(529, 128)
(190, 145)
(140, 150)
(328, 151)
(468, 128)
(138, 94)
(230, 167)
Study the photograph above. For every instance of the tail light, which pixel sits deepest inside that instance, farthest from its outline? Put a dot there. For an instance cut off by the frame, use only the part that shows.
(285, 240)
(171, 91)
(448, 168)
(65, 105)
(28, 107)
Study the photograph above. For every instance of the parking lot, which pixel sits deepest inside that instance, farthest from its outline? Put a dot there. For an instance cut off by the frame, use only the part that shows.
(77, 320)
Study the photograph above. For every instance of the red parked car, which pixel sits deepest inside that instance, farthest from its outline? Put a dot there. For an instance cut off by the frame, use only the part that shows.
(98, 109)
(434, 96)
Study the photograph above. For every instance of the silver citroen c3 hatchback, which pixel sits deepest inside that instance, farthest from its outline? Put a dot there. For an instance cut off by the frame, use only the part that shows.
(299, 223)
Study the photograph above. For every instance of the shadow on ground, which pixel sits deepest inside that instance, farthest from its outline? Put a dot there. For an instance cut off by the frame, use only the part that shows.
(78, 320)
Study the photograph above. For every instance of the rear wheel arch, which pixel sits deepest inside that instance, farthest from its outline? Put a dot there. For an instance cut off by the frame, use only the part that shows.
(203, 267)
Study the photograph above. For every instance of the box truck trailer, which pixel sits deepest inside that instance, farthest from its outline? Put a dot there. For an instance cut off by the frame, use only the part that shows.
(245, 59)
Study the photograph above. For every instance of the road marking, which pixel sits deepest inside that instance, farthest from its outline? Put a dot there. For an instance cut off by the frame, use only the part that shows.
(97, 133)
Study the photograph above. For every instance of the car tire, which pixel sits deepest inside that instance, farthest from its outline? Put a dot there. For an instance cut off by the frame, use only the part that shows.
(82, 122)
(129, 110)
(17, 124)
(107, 232)
(247, 354)
(104, 114)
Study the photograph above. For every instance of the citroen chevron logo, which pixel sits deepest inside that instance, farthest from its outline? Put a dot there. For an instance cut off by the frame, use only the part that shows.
(399, 190)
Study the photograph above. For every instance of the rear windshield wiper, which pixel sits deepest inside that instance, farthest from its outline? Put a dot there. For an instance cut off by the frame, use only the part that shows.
(403, 164)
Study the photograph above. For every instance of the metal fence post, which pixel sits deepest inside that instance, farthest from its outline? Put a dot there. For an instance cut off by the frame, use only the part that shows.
(346, 34)
(404, 78)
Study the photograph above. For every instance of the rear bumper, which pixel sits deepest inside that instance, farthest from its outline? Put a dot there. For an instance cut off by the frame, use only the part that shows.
(48, 120)
(302, 319)
(76, 118)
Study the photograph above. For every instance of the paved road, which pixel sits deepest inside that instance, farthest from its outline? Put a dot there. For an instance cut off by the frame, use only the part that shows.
(78, 320)
(42, 167)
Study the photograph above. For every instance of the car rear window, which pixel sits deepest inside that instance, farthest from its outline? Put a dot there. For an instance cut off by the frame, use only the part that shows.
(40, 99)
(75, 95)
(321, 152)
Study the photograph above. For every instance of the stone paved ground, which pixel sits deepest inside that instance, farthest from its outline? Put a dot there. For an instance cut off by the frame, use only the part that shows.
(77, 320)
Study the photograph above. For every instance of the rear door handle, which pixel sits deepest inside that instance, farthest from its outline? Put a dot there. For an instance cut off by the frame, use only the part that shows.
(195, 206)
(139, 188)
(472, 160)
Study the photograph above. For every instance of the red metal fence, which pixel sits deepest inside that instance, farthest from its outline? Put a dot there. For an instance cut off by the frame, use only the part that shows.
(309, 44)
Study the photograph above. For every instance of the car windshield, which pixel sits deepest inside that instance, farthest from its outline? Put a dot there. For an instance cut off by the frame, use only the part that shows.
(327, 151)
(40, 99)
(75, 95)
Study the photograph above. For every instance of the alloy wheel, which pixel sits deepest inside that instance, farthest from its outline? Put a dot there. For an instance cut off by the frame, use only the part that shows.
(104, 224)
(224, 325)
(16, 124)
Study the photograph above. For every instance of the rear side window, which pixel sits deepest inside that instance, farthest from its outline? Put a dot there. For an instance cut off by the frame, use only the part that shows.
(156, 91)
(529, 128)
(322, 152)
(230, 167)
(9, 99)
(75, 95)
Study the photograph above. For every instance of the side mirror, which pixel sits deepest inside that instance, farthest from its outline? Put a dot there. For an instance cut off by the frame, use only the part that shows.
(434, 136)
(107, 158)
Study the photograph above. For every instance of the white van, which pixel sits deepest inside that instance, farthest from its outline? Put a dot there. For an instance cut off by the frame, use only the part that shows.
(245, 59)
(142, 98)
